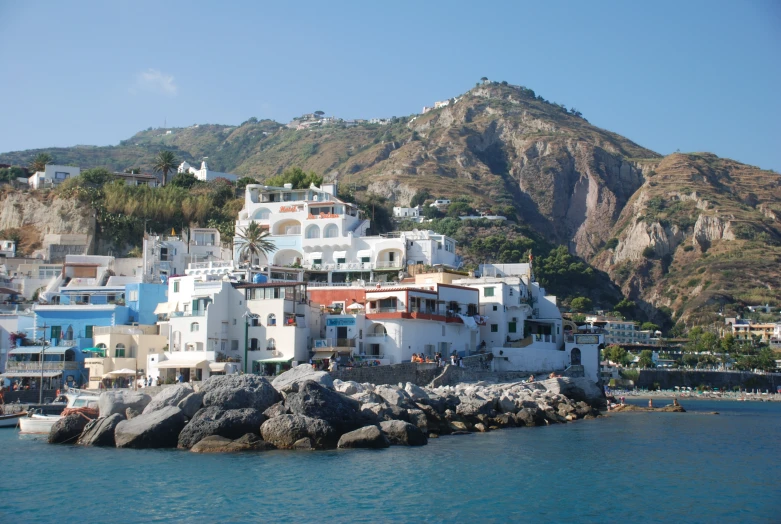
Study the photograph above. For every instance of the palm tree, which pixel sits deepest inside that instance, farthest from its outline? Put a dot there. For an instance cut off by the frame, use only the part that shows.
(40, 161)
(254, 240)
(164, 162)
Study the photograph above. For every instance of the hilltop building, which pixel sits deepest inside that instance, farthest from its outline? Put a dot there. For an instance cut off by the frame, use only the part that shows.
(204, 173)
(52, 175)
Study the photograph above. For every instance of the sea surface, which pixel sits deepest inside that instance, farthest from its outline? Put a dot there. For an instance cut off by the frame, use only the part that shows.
(642, 467)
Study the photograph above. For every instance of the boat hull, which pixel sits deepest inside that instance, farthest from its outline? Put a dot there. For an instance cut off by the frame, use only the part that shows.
(11, 421)
(40, 424)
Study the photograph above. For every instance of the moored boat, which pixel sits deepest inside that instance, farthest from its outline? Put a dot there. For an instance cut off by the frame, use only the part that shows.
(11, 420)
(36, 422)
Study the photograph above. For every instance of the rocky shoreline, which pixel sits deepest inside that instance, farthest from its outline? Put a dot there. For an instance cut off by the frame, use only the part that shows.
(308, 409)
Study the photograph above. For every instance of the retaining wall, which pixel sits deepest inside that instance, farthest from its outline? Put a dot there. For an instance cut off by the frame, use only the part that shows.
(668, 379)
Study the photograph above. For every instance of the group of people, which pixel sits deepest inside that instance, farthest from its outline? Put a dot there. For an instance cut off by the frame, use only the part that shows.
(439, 360)
(17, 386)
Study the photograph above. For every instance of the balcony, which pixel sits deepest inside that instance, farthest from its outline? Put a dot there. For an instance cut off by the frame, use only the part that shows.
(388, 264)
(334, 343)
(376, 335)
(12, 366)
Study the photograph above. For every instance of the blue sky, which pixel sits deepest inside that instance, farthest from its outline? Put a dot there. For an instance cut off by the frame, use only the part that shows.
(692, 75)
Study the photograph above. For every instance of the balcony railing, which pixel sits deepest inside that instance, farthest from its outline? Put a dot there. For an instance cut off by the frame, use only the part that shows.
(376, 335)
(545, 338)
(334, 342)
(12, 366)
(386, 264)
(395, 309)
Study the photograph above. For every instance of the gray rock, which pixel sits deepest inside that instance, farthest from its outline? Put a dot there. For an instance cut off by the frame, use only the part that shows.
(303, 443)
(285, 430)
(403, 433)
(415, 392)
(239, 391)
(348, 388)
(383, 411)
(471, 407)
(67, 429)
(276, 410)
(506, 405)
(158, 429)
(100, 432)
(366, 437)
(130, 413)
(191, 404)
(111, 402)
(230, 423)
(419, 419)
(525, 417)
(577, 389)
(217, 444)
(367, 397)
(394, 396)
(302, 373)
(316, 401)
(169, 396)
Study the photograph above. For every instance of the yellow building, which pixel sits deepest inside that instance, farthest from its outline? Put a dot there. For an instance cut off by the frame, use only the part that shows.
(123, 347)
(748, 331)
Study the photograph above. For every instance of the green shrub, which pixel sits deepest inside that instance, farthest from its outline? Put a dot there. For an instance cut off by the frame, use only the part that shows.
(611, 244)
(688, 248)
(649, 252)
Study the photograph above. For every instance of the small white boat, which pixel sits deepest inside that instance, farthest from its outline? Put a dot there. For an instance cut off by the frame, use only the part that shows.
(39, 423)
(11, 420)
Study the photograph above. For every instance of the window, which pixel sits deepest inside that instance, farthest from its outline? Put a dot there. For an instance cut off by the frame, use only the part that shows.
(119, 351)
(56, 332)
(341, 260)
(254, 322)
(176, 286)
(331, 231)
(133, 296)
(271, 345)
(494, 328)
(88, 331)
(511, 291)
(234, 321)
(253, 344)
(194, 327)
(313, 231)
(511, 327)
(496, 308)
(272, 320)
(365, 260)
(61, 175)
(234, 345)
(488, 292)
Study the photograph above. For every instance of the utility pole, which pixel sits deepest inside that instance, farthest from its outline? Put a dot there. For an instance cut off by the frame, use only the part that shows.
(43, 350)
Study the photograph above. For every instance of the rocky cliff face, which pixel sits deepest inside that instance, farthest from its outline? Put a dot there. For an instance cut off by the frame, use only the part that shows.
(32, 216)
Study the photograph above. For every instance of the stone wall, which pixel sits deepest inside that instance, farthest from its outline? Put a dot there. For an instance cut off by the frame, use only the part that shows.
(420, 374)
(668, 379)
(28, 396)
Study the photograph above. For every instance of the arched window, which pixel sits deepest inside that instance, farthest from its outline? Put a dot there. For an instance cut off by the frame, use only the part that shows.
(271, 345)
(195, 327)
(331, 231)
(313, 231)
(272, 320)
(68, 333)
(575, 357)
(379, 330)
(101, 346)
(119, 351)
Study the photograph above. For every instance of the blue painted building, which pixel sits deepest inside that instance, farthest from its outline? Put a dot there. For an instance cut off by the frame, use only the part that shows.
(76, 322)
(143, 299)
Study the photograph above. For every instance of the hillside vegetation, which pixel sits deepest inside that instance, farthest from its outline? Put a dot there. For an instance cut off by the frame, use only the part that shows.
(688, 233)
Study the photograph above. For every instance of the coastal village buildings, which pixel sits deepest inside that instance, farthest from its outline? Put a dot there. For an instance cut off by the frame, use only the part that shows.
(621, 331)
(118, 349)
(748, 330)
(7, 248)
(167, 255)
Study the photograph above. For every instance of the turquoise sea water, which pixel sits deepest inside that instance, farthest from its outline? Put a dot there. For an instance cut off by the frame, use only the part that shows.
(660, 467)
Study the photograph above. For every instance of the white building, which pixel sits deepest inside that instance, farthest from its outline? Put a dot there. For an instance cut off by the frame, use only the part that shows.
(204, 173)
(621, 331)
(52, 176)
(7, 248)
(315, 230)
(440, 203)
(214, 324)
(407, 213)
(167, 255)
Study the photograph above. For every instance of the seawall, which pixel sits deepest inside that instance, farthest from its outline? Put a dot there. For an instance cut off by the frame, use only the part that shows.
(668, 379)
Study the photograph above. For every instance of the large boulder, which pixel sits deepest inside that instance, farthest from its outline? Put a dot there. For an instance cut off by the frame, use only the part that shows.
(228, 423)
(348, 388)
(316, 401)
(577, 389)
(285, 430)
(169, 396)
(67, 429)
(191, 404)
(239, 391)
(366, 437)
(302, 373)
(111, 402)
(395, 396)
(217, 444)
(472, 407)
(402, 433)
(276, 410)
(415, 392)
(100, 432)
(158, 429)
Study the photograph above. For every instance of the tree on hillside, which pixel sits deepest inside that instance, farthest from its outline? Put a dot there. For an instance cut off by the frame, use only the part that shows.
(649, 326)
(185, 180)
(646, 359)
(319, 113)
(40, 161)
(296, 176)
(254, 242)
(484, 79)
(165, 161)
(581, 304)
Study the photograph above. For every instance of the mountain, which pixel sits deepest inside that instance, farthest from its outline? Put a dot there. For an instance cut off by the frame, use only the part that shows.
(690, 232)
